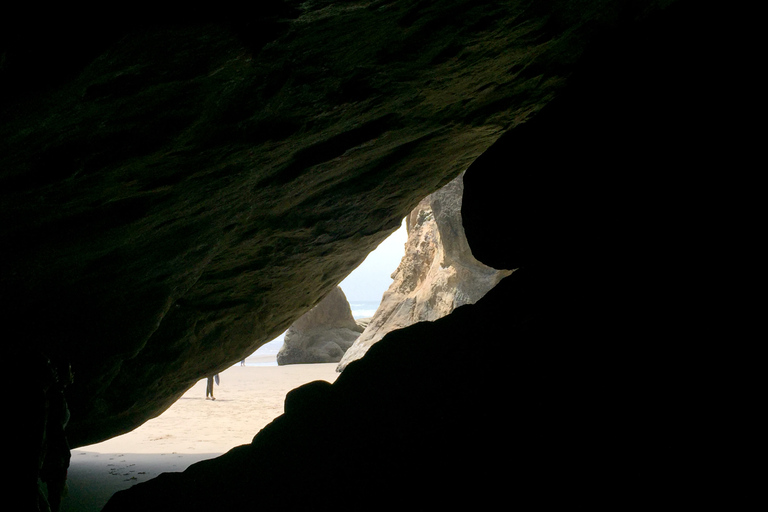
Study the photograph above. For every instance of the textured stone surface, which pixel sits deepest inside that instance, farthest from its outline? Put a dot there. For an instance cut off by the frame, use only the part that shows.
(175, 194)
(323, 334)
(436, 274)
(143, 239)
(598, 393)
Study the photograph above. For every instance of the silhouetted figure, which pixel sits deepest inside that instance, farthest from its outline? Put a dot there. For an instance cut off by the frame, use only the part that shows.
(242, 363)
(209, 387)
(56, 454)
(28, 451)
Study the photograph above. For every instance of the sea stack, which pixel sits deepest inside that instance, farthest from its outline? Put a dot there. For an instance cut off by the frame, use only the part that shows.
(323, 334)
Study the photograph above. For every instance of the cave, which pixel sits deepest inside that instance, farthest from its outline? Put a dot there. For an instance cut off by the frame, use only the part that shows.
(176, 192)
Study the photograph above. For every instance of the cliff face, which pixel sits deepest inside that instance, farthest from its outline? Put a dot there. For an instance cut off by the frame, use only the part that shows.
(323, 334)
(436, 275)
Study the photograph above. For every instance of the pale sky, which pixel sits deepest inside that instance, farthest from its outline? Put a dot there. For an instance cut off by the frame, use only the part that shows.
(370, 280)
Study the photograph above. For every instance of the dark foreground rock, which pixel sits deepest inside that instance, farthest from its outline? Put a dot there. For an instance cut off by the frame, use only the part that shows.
(176, 191)
(174, 195)
(321, 335)
(589, 395)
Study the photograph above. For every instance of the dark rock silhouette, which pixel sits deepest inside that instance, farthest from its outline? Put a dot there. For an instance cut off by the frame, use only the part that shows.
(585, 397)
(181, 190)
(166, 212)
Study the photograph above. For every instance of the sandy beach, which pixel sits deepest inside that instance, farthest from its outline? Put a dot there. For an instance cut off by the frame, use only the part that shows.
(247, 399)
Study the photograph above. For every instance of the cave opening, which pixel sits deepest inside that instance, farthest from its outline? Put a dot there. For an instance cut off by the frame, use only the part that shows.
(596, 382)
(190, 430)
(423, 271)
(363, 289)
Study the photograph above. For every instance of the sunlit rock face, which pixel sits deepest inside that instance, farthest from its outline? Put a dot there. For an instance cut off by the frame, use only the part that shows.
(323, 334)
(176, 194)
(436, 274)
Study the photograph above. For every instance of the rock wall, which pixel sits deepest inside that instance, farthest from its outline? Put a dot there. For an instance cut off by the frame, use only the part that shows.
(612, 384)
(175, 192)
(323, 334)
(436, 275)
(172, 195)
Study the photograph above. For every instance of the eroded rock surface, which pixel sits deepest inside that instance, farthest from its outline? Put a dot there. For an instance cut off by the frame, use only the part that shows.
(592, 395)
(173, 195)
(436, 274)
(176, 193)
(323, 334)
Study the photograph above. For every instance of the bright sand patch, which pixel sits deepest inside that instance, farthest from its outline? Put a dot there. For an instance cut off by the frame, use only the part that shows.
(247, 399)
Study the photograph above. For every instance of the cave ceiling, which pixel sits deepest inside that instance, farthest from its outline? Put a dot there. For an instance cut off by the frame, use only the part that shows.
(175, 194)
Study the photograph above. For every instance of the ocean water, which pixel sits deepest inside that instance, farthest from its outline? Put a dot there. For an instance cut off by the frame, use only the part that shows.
(267, 353)
(363, 309)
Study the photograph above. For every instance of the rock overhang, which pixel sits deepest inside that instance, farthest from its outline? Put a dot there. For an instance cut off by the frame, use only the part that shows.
(185, 191)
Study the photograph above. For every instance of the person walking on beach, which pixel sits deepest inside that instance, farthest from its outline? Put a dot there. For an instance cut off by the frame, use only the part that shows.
(209, 387)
